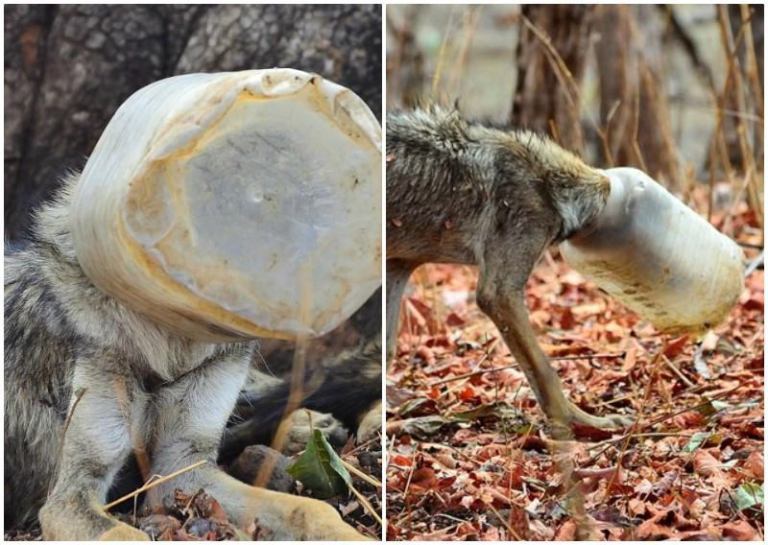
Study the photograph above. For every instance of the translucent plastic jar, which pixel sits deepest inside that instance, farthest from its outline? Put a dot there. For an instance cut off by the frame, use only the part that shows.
(235, 204)
(658, 257)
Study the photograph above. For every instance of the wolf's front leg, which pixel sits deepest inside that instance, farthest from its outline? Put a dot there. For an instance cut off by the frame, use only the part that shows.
(501, 295)
(279, 516)
(96, 443)
(190, 416)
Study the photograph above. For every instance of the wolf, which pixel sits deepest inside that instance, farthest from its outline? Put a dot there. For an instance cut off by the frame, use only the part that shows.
(89, 381)
(464, 192)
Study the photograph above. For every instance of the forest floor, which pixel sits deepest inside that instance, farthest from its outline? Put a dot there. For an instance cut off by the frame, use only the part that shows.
(199, 517)
(470, 457)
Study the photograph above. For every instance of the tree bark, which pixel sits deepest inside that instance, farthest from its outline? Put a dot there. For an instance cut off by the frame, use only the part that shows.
(68, 68)
(546, 98)
(634, 112)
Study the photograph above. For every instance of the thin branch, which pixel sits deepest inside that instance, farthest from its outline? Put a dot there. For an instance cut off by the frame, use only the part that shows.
(363, 476)
(153, 484)
(366, 505)
(515, 366)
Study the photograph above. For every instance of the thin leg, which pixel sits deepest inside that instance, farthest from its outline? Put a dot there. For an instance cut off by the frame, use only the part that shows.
(398, 273)
(96, 443)
(189, 420)
(501, 297)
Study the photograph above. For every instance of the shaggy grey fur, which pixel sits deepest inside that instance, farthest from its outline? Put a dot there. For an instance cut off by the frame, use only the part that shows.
(88, 382)
(461, 192)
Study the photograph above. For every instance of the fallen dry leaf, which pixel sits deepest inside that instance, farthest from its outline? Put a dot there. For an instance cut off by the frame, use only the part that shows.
(478, 470)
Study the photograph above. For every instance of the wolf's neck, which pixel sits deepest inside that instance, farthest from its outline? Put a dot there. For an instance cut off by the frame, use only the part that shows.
(53, 225)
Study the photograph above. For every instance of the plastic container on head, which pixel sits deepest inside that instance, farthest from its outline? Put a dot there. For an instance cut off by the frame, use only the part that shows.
(658, 257)
(235, 204)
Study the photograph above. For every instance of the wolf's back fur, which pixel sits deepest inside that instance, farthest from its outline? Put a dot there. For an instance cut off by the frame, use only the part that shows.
(438, 163)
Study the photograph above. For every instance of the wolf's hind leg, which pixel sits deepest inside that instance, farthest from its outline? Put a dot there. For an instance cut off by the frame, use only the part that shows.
(398, 273)
(96, 443)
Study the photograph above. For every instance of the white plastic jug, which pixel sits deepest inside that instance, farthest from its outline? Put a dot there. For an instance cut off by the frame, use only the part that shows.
(657, 256)
(236, 204)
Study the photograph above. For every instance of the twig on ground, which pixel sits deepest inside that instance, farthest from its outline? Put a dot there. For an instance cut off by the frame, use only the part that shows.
(515, 366)
(153, 484)
(367, 478)
(505, 523)
(366, 505)
(677, 371)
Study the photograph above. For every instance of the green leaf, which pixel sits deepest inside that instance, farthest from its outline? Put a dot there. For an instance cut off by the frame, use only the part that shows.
(748, 495)
(413, 405)
(320, 469)
(499, 410)
(696, 441)
(424, 426)
(712, 407)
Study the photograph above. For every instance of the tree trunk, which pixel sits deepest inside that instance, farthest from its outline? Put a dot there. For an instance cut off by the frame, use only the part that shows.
(634, 112)
(546, 99)
(68, 68)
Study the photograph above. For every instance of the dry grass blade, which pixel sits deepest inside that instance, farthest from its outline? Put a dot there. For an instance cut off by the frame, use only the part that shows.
(471, 18)
(562, 72)
(506, 524)
(753, 71)
(79, 396)
(564, 76)
(734, 76)
(636, 129)
(441, 56)
(296, 393)
(359, 474)
(366, 505)
(153, 484)
(137, 441)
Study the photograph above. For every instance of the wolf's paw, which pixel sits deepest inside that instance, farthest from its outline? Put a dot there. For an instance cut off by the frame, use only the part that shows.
(278, 516)
(605, 422)
(314, 520)
(297, 429)
(123, 532)
(370, 425)
(82, 518)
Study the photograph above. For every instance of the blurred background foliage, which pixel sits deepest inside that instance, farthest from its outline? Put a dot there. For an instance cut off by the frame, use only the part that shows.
(674, 90)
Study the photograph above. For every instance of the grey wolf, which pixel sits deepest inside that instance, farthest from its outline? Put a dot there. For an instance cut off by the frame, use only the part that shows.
(88, 382)
(461, 192)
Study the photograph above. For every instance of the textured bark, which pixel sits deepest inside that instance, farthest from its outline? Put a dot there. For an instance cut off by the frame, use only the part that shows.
(736, 99)
(542, 100)
(68, 67)
(618, 78)
(634, 113)
(405, 65)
